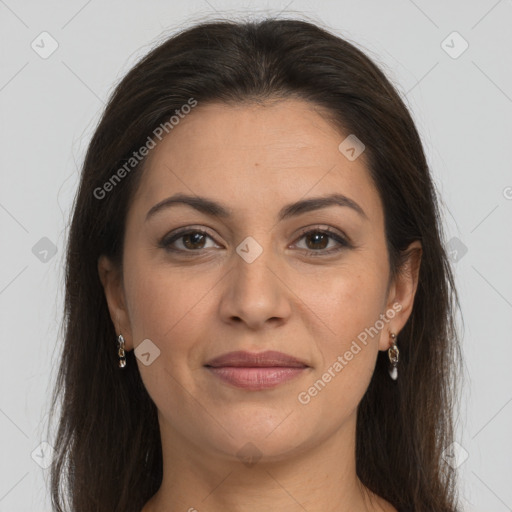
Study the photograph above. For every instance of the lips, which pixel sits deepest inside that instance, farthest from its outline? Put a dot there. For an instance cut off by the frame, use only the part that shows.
(256, 371)
(266, 359)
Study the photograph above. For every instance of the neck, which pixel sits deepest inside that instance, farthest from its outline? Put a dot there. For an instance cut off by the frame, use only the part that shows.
(322, 478)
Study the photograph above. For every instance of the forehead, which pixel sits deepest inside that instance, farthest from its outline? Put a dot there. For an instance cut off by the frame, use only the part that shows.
(255, 157)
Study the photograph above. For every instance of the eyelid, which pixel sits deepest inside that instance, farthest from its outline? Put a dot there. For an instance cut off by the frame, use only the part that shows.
(174, 235)
(335, 234)
(325, 229)
(342, 241)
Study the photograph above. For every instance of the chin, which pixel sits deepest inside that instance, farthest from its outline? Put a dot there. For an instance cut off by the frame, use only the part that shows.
(265, 436)
(262, 450)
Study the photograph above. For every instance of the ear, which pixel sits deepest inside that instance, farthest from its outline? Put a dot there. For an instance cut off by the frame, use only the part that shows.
(401, 294)
(112, 280)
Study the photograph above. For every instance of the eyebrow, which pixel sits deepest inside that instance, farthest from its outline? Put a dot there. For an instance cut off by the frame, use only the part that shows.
(215, 209)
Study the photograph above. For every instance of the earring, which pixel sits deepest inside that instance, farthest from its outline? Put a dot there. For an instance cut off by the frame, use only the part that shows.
(120, 352)
(393, 358)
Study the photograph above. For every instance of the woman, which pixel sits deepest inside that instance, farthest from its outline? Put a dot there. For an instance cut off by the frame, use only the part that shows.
(259, 307)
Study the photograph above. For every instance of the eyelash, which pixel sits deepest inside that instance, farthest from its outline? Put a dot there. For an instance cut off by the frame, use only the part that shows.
(168, 239)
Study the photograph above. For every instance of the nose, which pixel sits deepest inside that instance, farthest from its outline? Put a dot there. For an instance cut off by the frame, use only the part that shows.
(256, 293)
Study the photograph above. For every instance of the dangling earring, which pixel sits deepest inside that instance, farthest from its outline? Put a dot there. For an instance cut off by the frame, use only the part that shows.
(120, 352)
(393, 358)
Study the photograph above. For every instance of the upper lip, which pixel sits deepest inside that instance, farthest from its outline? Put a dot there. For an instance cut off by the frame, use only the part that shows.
(256, 359)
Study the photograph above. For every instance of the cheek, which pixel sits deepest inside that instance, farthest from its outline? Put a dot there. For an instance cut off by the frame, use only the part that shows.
(147, 292)
(349, 302)
(346, 300)
(167, 307)
(348, 347)
(166, 304)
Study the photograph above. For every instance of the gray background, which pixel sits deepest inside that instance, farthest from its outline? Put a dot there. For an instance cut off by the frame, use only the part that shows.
(461, 102)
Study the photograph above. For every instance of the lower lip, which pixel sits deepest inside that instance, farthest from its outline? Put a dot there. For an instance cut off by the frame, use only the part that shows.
(256, 378)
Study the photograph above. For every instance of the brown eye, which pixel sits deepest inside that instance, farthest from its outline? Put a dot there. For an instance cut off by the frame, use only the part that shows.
(317, 242)
(317, 239)
(194, 240)
(186, 241)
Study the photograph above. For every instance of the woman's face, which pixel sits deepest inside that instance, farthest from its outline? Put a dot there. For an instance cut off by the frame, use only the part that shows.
(264, 276)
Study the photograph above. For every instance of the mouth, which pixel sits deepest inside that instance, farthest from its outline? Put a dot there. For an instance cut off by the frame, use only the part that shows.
(256, 371)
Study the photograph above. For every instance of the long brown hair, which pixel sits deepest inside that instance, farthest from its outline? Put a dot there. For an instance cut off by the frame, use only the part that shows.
(107, 447)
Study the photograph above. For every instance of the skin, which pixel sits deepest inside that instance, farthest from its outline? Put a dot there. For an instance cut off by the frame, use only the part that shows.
(255, 159)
